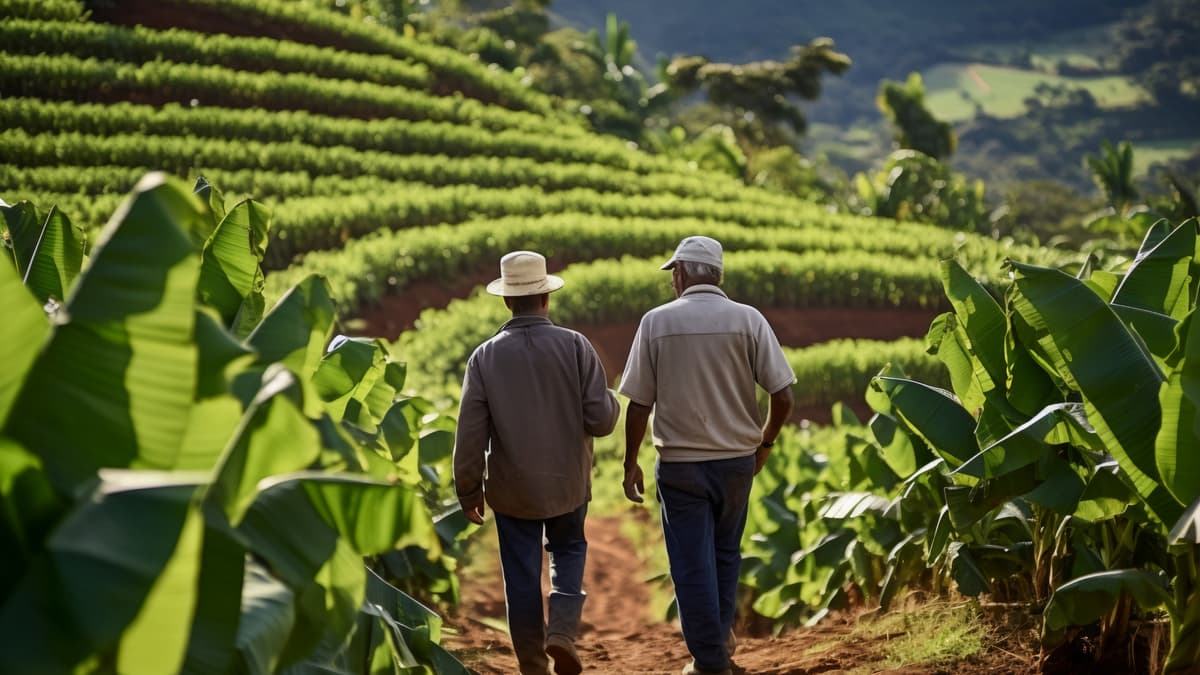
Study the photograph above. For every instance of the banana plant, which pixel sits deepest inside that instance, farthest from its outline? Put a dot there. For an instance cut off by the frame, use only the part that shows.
(1066, 451)
(186, 488)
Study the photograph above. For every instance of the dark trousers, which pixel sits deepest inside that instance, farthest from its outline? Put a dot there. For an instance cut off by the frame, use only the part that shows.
(703, 517)
(521, 543)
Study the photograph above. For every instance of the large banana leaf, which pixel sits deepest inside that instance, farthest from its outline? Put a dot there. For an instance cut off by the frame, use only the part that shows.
(1084, 340)
(29, 509)
(983, 321)
(295, 333)
(22, 332)
(231, 274)
(118, 377)
(48, 253)
(933, 415)
(1156, 331)
(1085, 600)
(948, 341)
(373, 517)
(1105, 496)
(119, 558)
(268, 614)
(221, 588)
(1162, 278)
(157, 639)
(1187, 530)
(1177, 446)
(1030, 442)
(352, 380)
(1031, 386)
(273, 438)
(215, 413)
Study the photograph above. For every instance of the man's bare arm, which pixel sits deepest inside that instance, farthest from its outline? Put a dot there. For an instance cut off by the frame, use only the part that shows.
(781, 407)
(636, 417)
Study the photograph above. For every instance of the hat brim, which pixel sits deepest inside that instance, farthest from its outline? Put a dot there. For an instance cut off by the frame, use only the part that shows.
(548, 285)
(670, 264)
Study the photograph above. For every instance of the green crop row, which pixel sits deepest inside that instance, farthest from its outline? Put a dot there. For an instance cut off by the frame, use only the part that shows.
(622, 290)
(139, 44)
(184, 154)
(365, 269)
(840, 370)
(180, 154)
(396, 136)
(72, 78)
(452, 70)
(47, 10)
(272, 186)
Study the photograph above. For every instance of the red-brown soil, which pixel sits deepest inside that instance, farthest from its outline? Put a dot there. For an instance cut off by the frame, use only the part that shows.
(620, 636)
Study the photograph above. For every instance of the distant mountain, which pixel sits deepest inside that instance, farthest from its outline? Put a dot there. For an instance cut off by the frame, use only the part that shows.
(885, 39)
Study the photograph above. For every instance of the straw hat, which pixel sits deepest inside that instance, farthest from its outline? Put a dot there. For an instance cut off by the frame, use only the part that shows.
(524, 273)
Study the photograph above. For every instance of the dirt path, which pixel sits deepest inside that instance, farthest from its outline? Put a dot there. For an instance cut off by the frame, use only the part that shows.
(619, 635)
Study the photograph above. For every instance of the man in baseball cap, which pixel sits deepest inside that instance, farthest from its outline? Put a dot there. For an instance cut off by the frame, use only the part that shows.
(696, 362)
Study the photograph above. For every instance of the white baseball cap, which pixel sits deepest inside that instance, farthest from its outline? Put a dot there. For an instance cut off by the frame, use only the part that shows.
(699, 249)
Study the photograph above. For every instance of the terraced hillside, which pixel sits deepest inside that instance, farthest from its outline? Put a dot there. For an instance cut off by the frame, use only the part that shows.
(401, 171)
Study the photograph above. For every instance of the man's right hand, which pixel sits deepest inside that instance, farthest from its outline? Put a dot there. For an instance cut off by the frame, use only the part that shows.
(473, 509)
(634, 484)
(760, 458)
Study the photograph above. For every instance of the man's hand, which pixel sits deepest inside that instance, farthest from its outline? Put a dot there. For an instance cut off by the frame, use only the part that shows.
(634, 484)
(760, 458)
(473, 508)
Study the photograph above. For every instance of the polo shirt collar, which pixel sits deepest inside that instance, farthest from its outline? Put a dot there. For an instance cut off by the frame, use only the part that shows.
(704, 288)
(526, 321)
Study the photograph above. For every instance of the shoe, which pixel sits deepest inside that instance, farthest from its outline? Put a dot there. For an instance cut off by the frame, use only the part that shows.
(731, 644)
(691, 669)
(562, 650)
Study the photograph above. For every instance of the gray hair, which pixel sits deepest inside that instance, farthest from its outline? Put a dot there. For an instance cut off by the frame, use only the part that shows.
(699, 270)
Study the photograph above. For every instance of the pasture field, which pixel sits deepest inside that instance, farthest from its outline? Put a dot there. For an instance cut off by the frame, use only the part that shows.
(955, 89)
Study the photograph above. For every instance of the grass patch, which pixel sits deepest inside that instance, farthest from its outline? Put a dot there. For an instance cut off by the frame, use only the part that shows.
(1146, 153)
(1086, 47)
(928, 635)
(954, 90)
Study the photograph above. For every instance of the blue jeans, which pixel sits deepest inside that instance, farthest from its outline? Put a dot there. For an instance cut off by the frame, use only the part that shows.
(703, 517)
(521, 543)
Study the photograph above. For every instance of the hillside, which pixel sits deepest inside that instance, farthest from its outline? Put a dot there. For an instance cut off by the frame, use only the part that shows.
(398, 169)
(980, 63)
(198, 474)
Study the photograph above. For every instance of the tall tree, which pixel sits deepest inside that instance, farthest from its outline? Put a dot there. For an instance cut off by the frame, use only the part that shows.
(916, 127)
(766, 89)
(1113, 173)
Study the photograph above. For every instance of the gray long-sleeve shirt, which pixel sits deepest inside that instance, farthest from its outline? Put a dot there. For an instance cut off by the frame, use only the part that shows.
(533, 397)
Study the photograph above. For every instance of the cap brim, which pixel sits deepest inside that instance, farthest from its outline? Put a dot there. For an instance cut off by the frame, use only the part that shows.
(548, 285)
(669, 264)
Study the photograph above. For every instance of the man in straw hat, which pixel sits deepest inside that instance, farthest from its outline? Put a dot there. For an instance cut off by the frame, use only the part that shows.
(533, 397)
(695, 361)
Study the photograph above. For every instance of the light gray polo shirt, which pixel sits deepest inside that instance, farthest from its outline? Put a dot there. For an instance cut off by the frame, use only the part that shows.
(696, 361)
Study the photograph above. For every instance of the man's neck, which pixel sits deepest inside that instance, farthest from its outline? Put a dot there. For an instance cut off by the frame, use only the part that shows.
(541, 314)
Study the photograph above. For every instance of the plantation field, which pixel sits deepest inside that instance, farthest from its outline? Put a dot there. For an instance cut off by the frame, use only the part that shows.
(955, 89)
(226, 417)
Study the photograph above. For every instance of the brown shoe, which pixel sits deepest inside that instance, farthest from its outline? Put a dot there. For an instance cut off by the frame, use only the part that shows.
(562, 649)
(691, 669)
